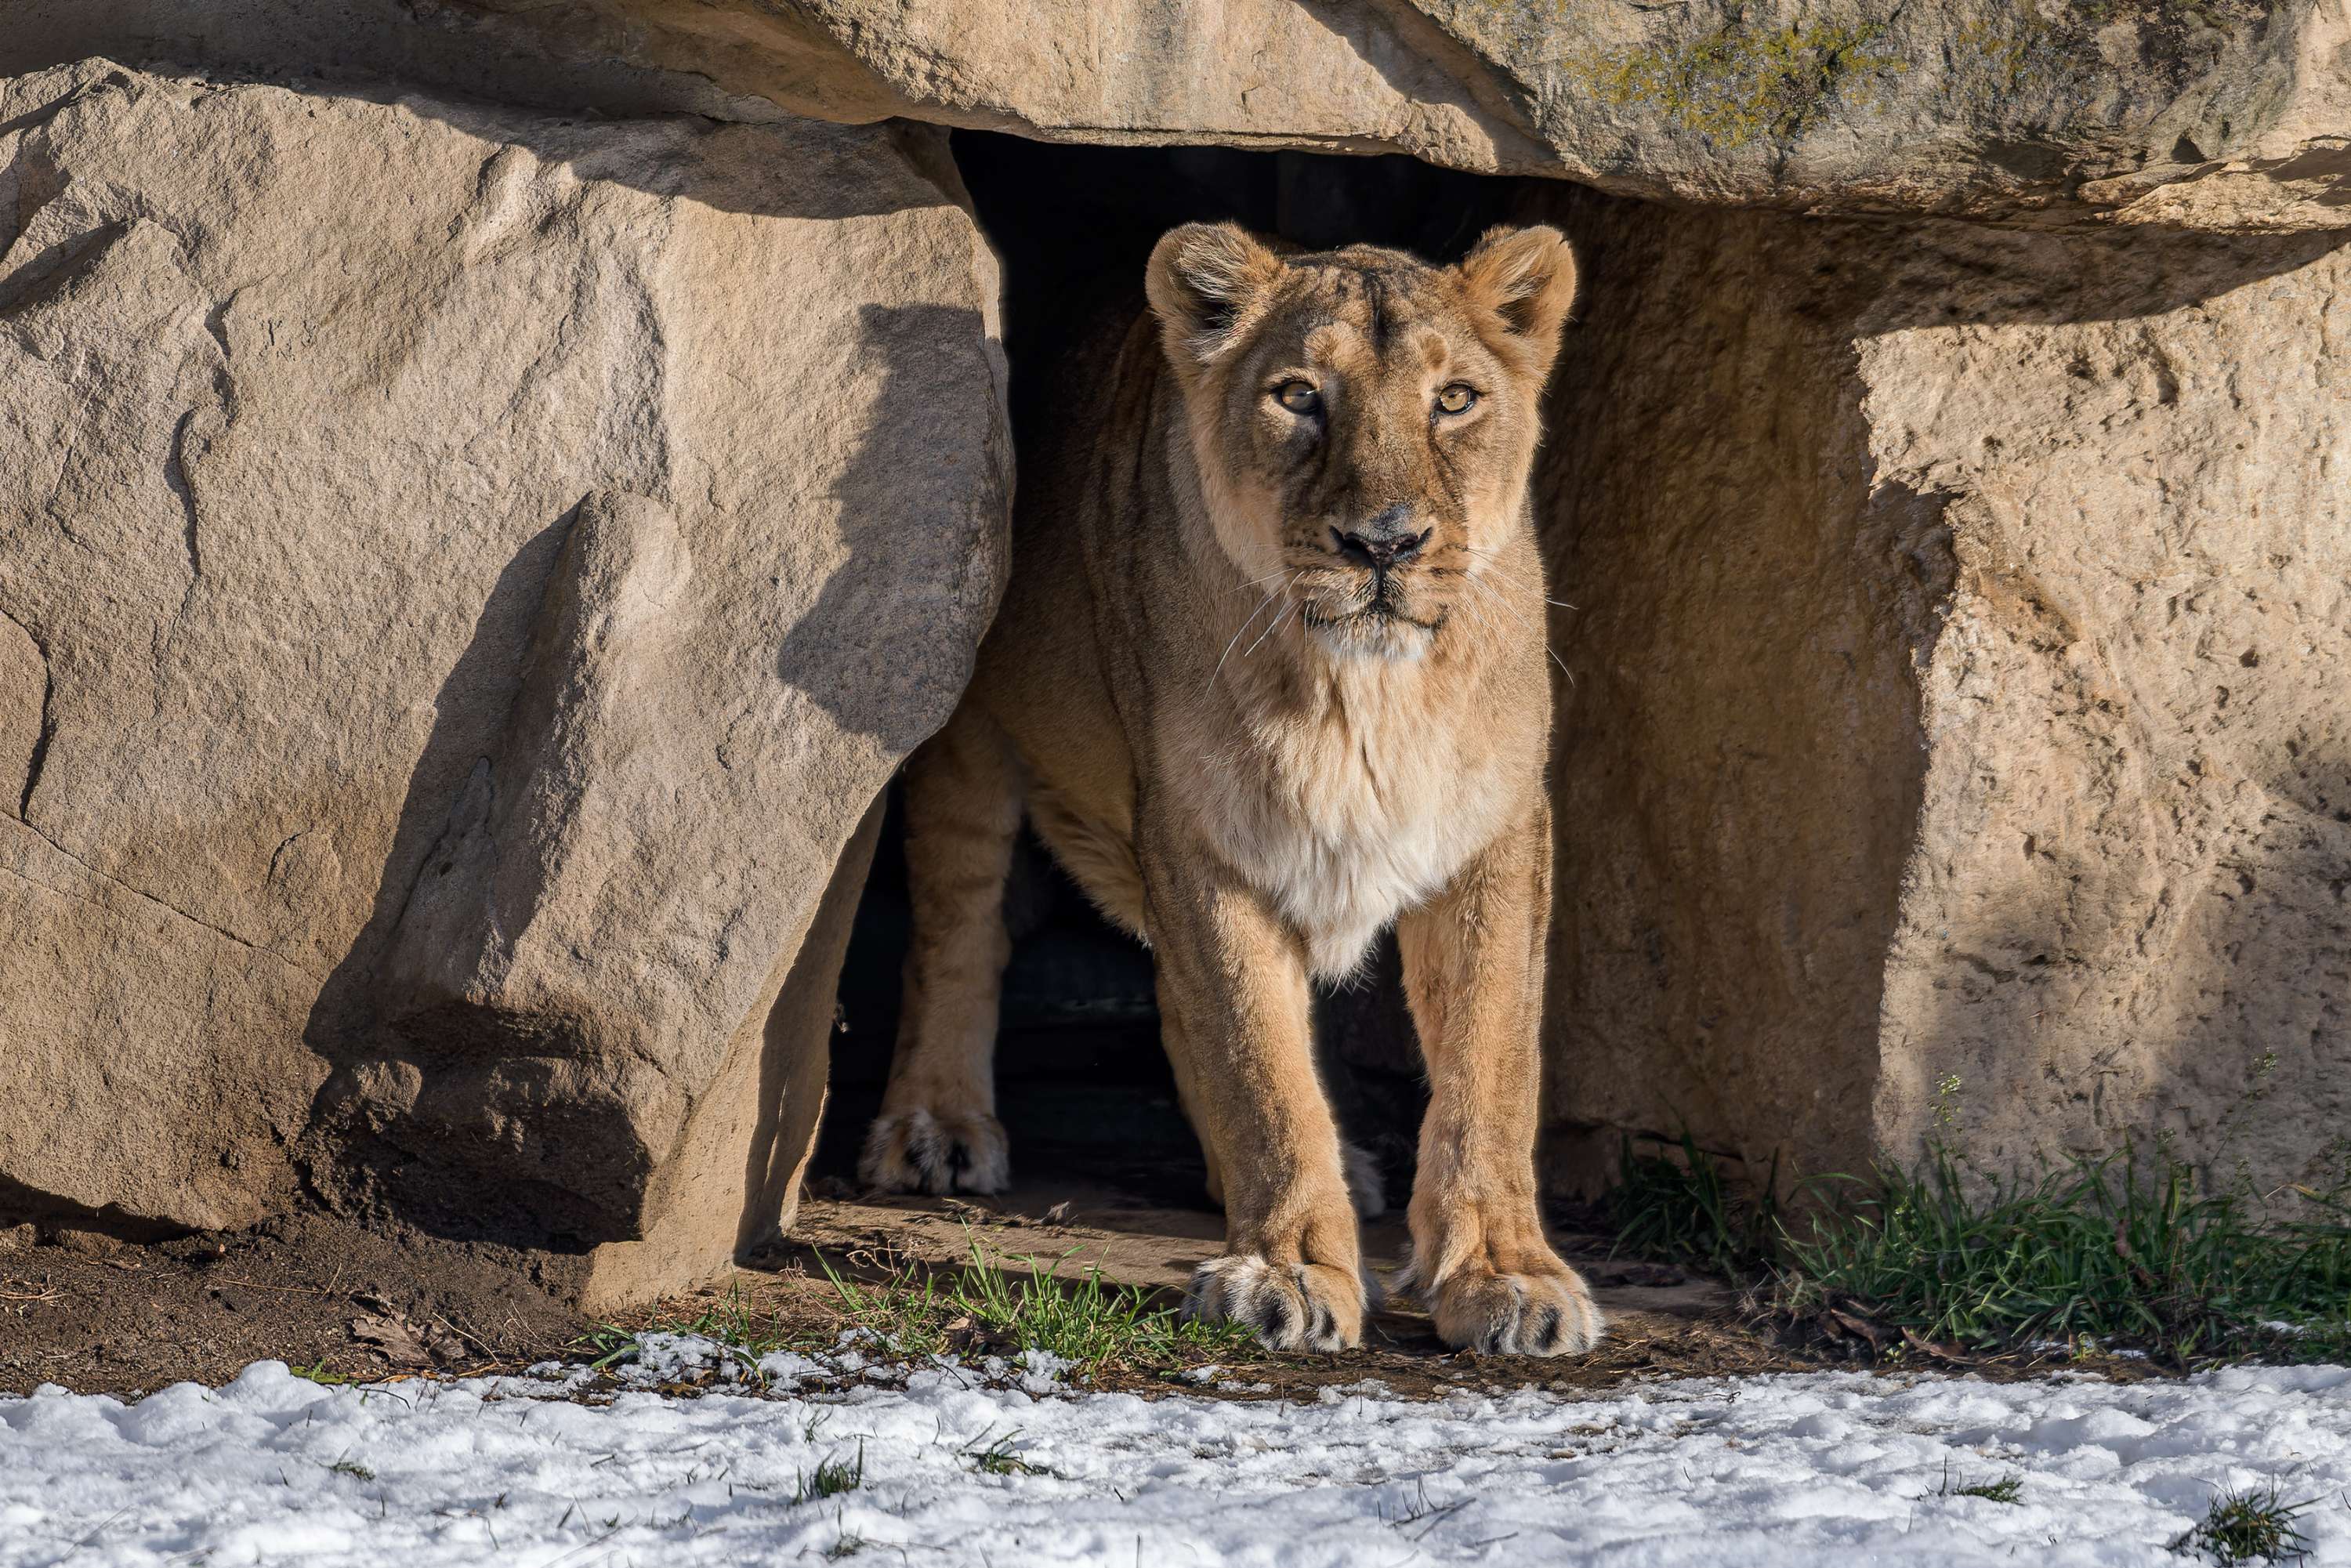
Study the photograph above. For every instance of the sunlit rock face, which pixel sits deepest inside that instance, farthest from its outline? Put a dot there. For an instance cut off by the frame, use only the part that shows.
(1957, 743)
(465, 576)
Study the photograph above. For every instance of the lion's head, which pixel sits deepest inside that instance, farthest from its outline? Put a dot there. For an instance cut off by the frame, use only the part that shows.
(1362, 421)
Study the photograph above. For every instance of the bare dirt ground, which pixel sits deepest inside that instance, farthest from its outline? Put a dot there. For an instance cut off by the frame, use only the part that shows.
(343, 1302)
(101, 1316)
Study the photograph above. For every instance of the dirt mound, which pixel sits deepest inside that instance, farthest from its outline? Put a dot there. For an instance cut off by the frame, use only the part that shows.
(100, 1316)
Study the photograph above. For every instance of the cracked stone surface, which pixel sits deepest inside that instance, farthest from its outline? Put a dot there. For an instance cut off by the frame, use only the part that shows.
(327, 414)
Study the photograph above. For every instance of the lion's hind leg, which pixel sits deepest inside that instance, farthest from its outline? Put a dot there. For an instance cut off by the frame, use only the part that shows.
(937, 1131)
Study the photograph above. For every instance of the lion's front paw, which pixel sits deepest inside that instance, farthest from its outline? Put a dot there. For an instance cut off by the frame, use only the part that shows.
(1544, 1309)
(914, 1151)
(1302, 1306)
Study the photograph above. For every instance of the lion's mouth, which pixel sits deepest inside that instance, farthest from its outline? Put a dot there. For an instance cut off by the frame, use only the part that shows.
(1382, 609)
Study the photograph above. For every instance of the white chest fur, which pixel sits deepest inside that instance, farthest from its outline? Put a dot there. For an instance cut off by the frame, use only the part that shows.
(1355, 808)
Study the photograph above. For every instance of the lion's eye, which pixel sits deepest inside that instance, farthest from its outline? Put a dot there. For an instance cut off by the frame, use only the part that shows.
(1298, 397)
(1456, 398)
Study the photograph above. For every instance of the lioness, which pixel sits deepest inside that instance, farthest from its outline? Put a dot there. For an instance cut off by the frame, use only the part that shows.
(1270, 676)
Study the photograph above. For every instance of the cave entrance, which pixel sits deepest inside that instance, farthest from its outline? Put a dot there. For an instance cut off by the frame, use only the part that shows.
(1082, 1087)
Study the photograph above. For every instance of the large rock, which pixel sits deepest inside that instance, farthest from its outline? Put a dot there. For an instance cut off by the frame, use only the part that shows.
(464, 576)
(1958, 742)
(2229, 114)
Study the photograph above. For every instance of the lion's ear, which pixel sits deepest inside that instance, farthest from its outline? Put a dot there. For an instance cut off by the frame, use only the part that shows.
(1202, 282)
(1527, 277)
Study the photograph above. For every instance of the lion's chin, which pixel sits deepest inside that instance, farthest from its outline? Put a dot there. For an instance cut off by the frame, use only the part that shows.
(1377, 630)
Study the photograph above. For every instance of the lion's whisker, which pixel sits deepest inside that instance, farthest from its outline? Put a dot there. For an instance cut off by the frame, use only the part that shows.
(1496, 596)
(1271, 627)
(1494, 565)
(1244, 626)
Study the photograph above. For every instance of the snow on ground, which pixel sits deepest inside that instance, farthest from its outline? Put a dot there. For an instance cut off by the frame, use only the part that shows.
(1811, 1470)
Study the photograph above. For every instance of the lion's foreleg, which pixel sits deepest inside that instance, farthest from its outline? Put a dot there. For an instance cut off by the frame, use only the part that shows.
(1234, 1009)
(1473, 970)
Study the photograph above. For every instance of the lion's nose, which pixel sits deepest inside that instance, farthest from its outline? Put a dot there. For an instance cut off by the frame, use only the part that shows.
(1384, 541)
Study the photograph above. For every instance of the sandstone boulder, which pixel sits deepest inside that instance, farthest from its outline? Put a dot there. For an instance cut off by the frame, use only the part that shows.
(2225, 115)
(465, 575)
(2238, 115)
(1958, 744)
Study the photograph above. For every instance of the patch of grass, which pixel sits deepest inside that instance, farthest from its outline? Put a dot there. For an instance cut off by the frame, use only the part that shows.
(997, 1459)
(743, 1335)
(2111, 1250)
(912, 1312)
(833, 1477)
(356, 1471)
(608, 1345)
(1083, 1320)
(729, 1324)
(1688, 1210)
(2097, 1253)
(2249, 1526)
(983, 1307)
(2007, 1489)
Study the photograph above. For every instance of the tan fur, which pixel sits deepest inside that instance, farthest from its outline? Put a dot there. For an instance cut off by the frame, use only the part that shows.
(1256, 743)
